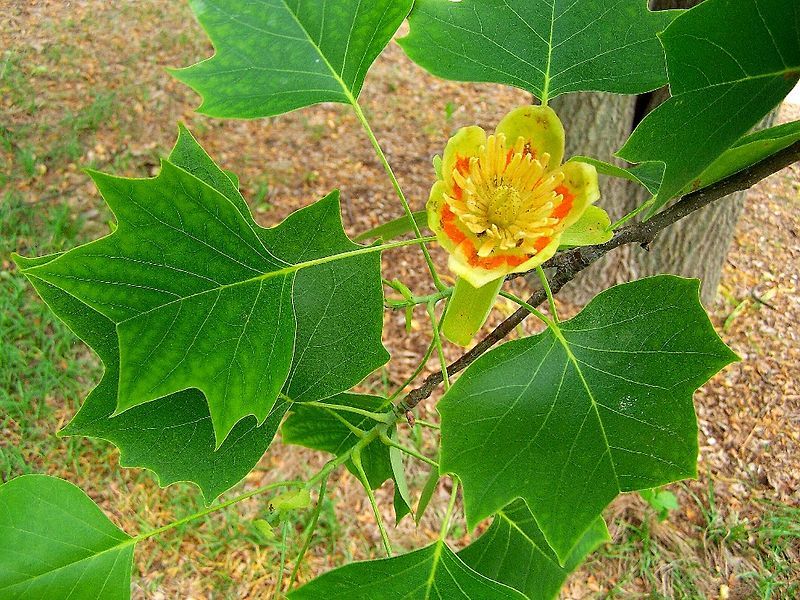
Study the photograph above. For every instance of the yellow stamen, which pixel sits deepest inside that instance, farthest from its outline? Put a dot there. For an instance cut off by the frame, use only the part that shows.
(507, 196)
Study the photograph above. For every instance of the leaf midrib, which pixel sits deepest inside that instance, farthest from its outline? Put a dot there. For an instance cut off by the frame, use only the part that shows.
(348, 94)
(568, 349)
(546, 87)
(291, 269)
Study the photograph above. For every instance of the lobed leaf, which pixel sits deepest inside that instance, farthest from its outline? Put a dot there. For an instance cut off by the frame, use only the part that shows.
(513, 551)
(548, 47)
(432, 572)
(56, 543)
(723, 80)
(274, 56)
(202, 297)
(567, 420)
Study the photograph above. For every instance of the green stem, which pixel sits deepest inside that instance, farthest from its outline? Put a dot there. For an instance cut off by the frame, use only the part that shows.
(437, 340)
(449, 514)
(532, 309)
(396, 184)
(550, 299)
(468, 310)
(427, 424)
(263, 489)
(379, 417)
(356, 458)
(279, 579)
(410, 451)
(356, 431)
(310, 529)
(631, 214)
(415, 374)
(416, 300)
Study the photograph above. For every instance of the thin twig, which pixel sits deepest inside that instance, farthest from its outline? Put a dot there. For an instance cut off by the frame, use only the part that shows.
(568, 264)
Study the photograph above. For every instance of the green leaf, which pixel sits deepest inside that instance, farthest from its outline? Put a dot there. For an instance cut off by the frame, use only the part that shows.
(402, 495)
(172, 436)
(202, 297)
(648, 175)
(662, 501)
(723, 80)
(548, 47)
(567, 420)
(292, 500)
(56, 543)
(395, 228)
(426, 495)
(431, 572)
(513, 551)
(274, 56)
(592, 228)
(321, 294)
(749, 150)
(324, 429)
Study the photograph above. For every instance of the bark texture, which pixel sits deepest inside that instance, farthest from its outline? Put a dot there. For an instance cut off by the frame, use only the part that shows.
(597, 125)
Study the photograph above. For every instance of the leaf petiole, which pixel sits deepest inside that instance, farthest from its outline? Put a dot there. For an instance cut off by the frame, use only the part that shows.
(310, 529)
(632, 214)
(356, 458)
(437, 340)
(379, 417)
(396, 184)
(550, 299)
(410, 451)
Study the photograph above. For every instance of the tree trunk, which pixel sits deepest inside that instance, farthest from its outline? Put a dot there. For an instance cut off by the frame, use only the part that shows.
(597, 125)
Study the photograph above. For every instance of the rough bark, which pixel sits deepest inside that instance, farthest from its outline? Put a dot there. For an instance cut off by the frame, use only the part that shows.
(597, 125)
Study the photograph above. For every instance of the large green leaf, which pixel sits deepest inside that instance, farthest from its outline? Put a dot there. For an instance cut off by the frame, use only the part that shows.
(331, 355)
(172, 436)
(730, 62)
(432, 572)
(203, 298)
(567, 420)
(548, 47)
(56, 543)
(274, 56)
(513, 551)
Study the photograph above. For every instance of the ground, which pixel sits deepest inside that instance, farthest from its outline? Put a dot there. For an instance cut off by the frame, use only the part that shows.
(83, 84)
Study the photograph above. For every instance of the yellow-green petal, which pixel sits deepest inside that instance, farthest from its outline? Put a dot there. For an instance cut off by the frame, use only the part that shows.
(539, 126)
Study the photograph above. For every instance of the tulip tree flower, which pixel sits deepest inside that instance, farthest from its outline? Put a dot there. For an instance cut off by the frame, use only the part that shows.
(501, 205)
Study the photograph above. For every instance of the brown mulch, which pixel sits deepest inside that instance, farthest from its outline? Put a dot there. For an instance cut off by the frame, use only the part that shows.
(68, 53)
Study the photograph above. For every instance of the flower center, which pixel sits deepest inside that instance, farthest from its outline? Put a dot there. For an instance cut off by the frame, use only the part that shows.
(506, 196)
(504, 206)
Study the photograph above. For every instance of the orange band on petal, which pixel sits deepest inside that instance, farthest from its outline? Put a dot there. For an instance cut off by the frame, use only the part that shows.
(515, 261)
(462, 165)
(541, 243)
(562, 210)
(449, 226)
